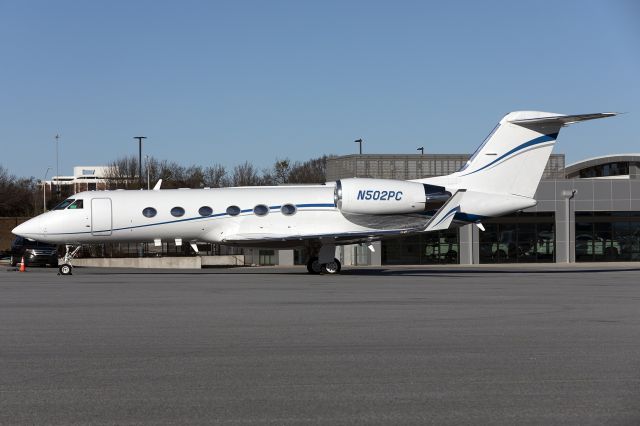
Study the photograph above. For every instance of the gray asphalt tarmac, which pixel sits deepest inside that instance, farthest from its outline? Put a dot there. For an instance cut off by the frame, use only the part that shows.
(269, 346)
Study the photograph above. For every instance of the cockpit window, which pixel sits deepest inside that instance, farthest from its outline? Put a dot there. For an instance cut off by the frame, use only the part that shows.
(76, 205)
(63, 205)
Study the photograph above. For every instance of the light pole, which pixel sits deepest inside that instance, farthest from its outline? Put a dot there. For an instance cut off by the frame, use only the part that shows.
(421, 149)
(140, 159)
(44, 190)
(359, 141)
(57, 166)
(148, 178)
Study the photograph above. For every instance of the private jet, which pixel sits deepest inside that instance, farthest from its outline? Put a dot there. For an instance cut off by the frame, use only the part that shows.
(501, 177)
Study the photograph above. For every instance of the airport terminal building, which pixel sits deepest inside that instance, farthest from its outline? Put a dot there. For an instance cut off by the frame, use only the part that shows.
(588, 211)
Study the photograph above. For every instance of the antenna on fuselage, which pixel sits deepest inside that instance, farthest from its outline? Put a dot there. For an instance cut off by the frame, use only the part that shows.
(157, 186)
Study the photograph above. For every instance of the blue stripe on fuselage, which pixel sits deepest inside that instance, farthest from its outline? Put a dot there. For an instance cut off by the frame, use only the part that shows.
(308, 205)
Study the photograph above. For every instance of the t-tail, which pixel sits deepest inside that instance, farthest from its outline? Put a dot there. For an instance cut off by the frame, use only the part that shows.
(503, 174)
(513, 157)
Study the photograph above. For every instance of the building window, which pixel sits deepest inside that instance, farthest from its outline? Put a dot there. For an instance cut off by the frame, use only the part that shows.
(261, 210)
(267, 257)
(288, 209)
(607, 236)
(233, 210)
(429, 248)
(205, 211)
(149, 212)
(604, 170)
(523, 237)
(177, 212)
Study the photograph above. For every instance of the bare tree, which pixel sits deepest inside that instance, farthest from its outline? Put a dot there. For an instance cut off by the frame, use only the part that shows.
(245, 175)
(122, 173)
(18, 196)
(216, 176)
(311, 171)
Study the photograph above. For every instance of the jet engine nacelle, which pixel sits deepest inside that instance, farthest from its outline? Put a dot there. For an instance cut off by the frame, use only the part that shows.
(387, 196)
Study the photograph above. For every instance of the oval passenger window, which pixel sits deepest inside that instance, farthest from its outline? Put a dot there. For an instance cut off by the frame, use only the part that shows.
(260, 210)
(205, 211)
(288, 209)
(233, 210)
(177, 211)
(149, 212)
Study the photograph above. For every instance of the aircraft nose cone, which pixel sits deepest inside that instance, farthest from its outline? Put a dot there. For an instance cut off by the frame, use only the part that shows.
(29, 229)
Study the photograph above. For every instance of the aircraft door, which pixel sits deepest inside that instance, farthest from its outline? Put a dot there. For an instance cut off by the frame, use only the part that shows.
(101, 220)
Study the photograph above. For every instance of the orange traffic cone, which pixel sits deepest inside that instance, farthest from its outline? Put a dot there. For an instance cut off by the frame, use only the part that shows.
(23, 266)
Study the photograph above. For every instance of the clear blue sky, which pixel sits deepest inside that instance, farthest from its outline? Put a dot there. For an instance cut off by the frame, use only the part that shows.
(228, 81)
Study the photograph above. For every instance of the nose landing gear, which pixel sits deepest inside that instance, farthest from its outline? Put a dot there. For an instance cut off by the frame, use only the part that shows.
(66, 268)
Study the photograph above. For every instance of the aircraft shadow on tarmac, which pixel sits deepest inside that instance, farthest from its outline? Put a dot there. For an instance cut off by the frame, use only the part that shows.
(367, 271)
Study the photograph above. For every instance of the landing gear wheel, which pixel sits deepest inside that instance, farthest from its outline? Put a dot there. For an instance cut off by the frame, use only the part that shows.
(332, 267)
(313, 266)
(65, 269)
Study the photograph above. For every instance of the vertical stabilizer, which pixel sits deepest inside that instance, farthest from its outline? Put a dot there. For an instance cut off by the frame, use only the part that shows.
(513, 157)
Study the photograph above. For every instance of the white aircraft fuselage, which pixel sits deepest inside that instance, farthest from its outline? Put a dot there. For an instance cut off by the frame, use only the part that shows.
(501, 177)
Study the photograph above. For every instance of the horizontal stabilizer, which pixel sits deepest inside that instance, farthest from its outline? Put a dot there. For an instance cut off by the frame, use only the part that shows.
(563, 120)
(444, 216)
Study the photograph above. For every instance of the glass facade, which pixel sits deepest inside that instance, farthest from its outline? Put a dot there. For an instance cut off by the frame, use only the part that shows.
(522, 237)
(607, 236)
(604, 170)
(429, 248)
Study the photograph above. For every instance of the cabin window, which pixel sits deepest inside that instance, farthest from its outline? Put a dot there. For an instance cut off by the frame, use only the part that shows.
(288, 209)
(76, 205)
(63, 205)
(205, 211)
(233, 210)
(149, 212)
(261, 210)
(177, 212)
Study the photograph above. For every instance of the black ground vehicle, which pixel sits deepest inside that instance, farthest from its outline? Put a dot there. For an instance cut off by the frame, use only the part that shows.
(34, 252)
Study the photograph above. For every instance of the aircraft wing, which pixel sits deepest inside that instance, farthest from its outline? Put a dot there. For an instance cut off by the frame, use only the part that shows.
(344, 237)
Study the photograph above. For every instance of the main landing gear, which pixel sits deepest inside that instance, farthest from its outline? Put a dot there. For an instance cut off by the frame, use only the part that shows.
(315, 267)
(325, 262)
(66, 268)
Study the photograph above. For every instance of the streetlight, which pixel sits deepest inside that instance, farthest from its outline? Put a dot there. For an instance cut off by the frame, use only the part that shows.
(148, 178)
(421, 149)
(140, 159)
(359, 141)
(44, 190)
(57, 137)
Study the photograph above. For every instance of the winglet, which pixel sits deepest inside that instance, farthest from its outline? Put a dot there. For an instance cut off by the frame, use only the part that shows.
(444, 216)
(158, 184)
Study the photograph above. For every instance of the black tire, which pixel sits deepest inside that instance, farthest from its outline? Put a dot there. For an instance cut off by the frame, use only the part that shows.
(332, 268)
(65, 269)
(313, 267)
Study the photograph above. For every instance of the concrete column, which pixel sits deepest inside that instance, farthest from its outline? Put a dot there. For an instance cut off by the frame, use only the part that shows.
(565, 228)
(346, 255)
(376, 256)
(475, 244)
(285, 257)
(466, 245)
(469, 245)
